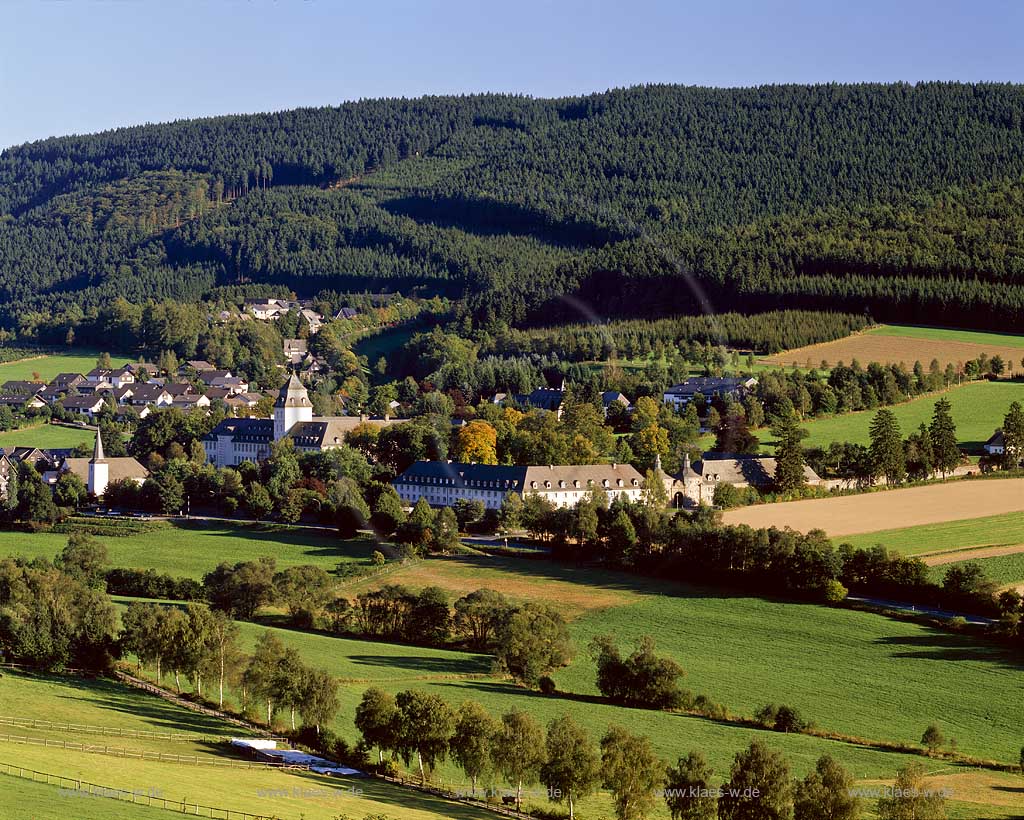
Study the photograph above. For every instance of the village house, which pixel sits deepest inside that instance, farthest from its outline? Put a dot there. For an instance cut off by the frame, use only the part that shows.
(295, 350)
(695, 483)
(680, 395)
(85, 405)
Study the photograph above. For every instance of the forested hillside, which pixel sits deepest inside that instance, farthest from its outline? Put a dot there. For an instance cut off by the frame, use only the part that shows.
(902, 201)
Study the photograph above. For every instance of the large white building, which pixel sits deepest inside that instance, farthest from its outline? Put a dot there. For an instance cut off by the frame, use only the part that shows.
(443, 483)
(245, 439)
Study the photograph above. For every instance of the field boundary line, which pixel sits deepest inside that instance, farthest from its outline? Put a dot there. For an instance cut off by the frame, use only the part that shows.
(151, 797)
(110, 731)
(140, 754)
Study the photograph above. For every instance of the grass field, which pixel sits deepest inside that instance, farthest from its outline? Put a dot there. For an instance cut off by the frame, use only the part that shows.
(948, 536)
(78, 361)
(740, 651)
(46, 436)
(888, 509)
(87, 701)
(193, 549)
(1004, 570)
(978, 409)
(907, 344)
(23, 799)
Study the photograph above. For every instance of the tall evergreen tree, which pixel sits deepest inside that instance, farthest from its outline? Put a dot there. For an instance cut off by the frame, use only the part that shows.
(887, 455)
(789, 455)
(1013, 436)
(943, 436)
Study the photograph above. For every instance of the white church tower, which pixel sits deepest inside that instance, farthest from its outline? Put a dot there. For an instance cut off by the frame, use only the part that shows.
(99, 469)
(292, 406)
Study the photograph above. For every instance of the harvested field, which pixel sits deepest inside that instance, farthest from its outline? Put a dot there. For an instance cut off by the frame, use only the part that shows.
(894, 344)
(868, 512)
(572, 591)
(934, 560)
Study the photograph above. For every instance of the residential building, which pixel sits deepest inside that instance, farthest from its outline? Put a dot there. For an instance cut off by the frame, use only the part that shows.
(680, 395)
(996, 445)
(89, 405)
(295, 350)
(8, 476)
(444, 483)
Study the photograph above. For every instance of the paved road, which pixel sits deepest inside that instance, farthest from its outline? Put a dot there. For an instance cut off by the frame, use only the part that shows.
(921, 610)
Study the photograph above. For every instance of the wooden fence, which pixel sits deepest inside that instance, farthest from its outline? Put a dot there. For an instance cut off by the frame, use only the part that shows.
(148, 797)
(111, 731)
(140, 754)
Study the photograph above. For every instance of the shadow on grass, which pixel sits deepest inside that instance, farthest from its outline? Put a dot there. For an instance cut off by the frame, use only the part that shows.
(937, 645)
(475, 665)
(315, 543)
(108, 695)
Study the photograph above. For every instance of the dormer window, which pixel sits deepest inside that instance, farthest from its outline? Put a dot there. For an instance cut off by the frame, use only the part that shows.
(619, 482)
(547, 484)
(533, 484)
(636, 483)
(605, 482)
(576, 484)
(561, 485)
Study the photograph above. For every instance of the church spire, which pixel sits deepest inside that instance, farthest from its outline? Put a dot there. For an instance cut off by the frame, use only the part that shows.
(97, 452)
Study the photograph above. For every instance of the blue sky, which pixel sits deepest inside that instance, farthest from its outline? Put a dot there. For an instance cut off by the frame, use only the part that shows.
(76, 66)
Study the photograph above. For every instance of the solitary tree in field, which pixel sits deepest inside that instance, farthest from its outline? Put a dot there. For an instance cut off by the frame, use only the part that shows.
(933, 739)
(825, 794)
(887, 456)
(573, 767)
(945, 452)
(688, 789)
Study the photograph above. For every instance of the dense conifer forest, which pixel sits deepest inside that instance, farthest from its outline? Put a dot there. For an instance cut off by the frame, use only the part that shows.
(897, 201)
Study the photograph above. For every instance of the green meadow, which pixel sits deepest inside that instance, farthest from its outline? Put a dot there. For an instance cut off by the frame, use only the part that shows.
(1004, 570)
(46, 436)
(49, 365)
(978, 409)
(991, 531)
(946, 334)
(24, 799)
(192, 549)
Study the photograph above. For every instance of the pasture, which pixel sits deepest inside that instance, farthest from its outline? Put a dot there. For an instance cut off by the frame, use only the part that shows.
(46, 436)
(193, 548)
(740, 651)
(24, 799)
(47, 366)
(257, 790)
(908, 344)
(949, 536)
(1004, 570)
(888, 509)
(978, 409)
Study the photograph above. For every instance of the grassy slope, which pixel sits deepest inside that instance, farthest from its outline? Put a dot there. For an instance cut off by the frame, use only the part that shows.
(84, 701)
(951, 535)
(46, 436)
(49, 366)
(1002, 569)
(193, 549)
(24, 799)
(945, 334)
(978, 408)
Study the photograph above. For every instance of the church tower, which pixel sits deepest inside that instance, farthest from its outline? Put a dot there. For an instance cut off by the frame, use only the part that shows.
(292, 406)
(99, 469)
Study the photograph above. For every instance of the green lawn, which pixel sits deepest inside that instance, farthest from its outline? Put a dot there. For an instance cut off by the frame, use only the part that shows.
(87, 701)
(78, 361)
(994, 530)
(978, 409)
(46, 436)
(945, 334)
(192, 549)
(1003, 569)
(25, 799)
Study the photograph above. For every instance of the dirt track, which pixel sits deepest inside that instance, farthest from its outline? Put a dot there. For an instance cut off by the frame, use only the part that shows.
(940, 558)
(889, 509)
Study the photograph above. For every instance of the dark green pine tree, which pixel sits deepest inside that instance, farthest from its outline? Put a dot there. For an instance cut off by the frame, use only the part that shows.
(1013, 436)
(789, 455)
(887, 455)
(943, 433)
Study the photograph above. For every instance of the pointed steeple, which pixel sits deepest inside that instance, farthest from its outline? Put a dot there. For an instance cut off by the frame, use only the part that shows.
(97, 452)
